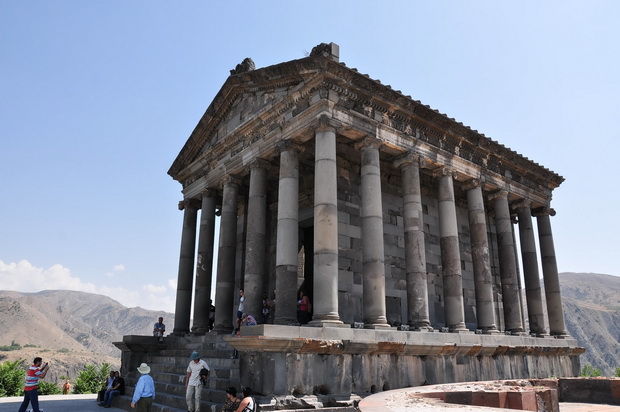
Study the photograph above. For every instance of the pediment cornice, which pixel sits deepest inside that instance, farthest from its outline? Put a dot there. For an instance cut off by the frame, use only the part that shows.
(371, 100)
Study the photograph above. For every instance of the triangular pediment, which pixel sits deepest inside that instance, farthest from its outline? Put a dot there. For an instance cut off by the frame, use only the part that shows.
(244, 97)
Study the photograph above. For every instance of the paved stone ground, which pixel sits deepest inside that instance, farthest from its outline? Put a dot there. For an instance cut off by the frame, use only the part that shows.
(87, 403)
(58, 403)
(398, 401)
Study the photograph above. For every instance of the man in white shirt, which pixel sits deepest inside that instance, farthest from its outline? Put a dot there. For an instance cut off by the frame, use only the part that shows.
(193, 385)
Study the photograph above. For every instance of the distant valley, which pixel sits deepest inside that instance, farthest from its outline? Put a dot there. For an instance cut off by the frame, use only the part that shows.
(70, 329)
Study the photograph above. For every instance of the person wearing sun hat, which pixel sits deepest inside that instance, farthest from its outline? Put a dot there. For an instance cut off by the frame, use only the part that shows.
(193, 384)
(144, 393)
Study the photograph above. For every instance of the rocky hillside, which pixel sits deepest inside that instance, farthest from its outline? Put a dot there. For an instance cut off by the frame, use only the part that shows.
(70, 329)
(592, 314)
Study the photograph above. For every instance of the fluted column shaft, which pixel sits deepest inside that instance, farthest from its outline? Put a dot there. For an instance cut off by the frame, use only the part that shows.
(450, 256)
(204, 264)
(551, 278)
(531, 275)
(224, 289)
(186, 267)
(287, 237)
(255, 240)
(415, 252)
(325, 229)
(507, 264)
(373, 258)
(483, 278)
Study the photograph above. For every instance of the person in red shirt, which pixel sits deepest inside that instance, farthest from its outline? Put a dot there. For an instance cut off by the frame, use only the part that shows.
(31, 386)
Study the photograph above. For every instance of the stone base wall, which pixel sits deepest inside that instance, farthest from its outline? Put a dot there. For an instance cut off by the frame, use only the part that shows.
(344, 361)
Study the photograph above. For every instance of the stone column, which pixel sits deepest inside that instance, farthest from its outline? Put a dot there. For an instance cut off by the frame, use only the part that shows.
(553, 296)
(507, 263)
(204, 263)
(450, 255)
(373, 258)
(287, 236)
(186, 267)
(225, 283)
(255, 240)
(531, 276)
(415, 252)
(325, 305)
(483, 278)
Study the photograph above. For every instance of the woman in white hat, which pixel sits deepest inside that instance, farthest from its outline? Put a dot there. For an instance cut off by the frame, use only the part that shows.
(144, 394)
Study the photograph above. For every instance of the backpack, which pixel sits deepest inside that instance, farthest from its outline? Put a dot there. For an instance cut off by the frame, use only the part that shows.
(256, 408)
(204, 375)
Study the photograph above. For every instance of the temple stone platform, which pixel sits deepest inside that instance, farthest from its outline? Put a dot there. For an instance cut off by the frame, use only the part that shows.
(341, 361)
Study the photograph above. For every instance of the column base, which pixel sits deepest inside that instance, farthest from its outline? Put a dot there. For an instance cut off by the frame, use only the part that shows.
(490, 331)
(324, 323)
(516, 332)
(378, 326)
(458, 328)
(562, 336)
(421, 327)
(222, 330)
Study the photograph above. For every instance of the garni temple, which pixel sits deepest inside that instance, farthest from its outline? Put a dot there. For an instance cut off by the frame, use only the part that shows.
(417, 240)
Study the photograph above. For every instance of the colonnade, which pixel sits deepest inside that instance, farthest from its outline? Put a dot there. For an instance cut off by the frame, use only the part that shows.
(325, 286)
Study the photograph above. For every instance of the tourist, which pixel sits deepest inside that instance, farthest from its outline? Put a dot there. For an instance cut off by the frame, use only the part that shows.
(118, 388)
(193, 384)
(248, 404)
(144, 393)
(31, 385)
(109, 381)
(66, 387)
(211, 315)
(248, 320)
(232, 402)
(303, 308)
(159, 328)
(267, 305)
(239, 311)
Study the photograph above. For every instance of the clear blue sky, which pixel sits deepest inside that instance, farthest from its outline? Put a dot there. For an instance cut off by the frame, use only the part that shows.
(98, 97)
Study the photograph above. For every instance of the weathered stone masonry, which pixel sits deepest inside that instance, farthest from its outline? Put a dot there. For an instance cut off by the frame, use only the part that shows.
(404, 217)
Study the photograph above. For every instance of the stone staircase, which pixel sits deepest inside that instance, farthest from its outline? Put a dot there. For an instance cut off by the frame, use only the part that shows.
(168, 362)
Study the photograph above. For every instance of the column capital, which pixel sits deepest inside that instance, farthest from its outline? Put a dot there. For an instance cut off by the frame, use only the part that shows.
(524, 203)
(444, 171)
(324, 124)
(498, 194)
(543, 211)
(472, 184)
(189, 203)
(231, 180)
(258, 163)
(410, 158)
(289, 146)
(209, 192)
(368, 142)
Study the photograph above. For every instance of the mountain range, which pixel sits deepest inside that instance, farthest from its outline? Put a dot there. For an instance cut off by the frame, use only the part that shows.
(71, 329)
(592, 314)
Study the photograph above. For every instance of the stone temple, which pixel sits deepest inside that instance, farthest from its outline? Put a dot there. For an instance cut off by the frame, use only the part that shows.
(412, 235)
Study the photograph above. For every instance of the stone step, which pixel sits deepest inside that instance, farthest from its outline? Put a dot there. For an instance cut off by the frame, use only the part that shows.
(168, 362)
(167, 403)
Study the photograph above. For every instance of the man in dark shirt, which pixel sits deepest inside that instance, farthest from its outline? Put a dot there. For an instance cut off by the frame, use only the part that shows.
(118, 388)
